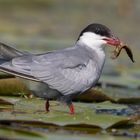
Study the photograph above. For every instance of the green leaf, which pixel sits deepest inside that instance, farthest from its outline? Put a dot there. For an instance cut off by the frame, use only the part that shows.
(18, 133)
(33, 109)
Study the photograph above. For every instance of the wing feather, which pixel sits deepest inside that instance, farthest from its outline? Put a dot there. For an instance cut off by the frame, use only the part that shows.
(68, 71)
(63, 73)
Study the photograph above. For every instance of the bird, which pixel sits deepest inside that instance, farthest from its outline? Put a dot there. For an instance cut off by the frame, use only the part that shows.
(65, 73)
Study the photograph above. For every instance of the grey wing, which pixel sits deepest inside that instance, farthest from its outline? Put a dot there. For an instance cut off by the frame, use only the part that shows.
(19, 66)
(63, 73)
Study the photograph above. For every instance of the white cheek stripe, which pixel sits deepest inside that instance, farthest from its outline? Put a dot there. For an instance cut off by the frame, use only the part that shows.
(92, 40)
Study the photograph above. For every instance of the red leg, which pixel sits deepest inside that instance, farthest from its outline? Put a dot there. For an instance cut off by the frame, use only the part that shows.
(71, 108)
(47, 105)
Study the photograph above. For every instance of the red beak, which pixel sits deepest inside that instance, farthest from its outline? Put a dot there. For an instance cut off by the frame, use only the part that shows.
(112, 41)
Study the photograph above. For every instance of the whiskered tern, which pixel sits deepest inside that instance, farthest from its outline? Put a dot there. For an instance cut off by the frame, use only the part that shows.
(62, 74)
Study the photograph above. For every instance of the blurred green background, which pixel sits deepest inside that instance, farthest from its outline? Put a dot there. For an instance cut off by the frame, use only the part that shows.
(41, 25)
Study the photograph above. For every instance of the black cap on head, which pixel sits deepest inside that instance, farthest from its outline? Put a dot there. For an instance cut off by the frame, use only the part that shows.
(97, 29)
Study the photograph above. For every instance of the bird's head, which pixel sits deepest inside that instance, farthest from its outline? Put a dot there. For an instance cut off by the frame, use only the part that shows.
(97, 35)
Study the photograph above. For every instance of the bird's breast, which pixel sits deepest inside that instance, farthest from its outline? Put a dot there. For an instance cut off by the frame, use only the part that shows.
(94, 69)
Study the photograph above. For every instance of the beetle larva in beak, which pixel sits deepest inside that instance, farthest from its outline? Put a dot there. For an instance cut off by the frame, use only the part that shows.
(118, 49)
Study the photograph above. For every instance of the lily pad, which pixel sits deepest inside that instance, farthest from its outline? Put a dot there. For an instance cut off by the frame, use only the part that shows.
(93, 95)
(12, 87)
(33, 109)
(86, 137)
(14, 133)
(130, 132)
(120, 95)
(6, 105)
(113, 108)
(35, 135)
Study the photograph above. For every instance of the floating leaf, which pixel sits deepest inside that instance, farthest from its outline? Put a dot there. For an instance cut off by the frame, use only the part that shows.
(8, 100)
(34, 125)
(121, 95)
(132, 131)
(111, 108)
(93, 95)
(18, 133)
(122, 124)
(12, 86)
(33, 109)
(4, 102)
